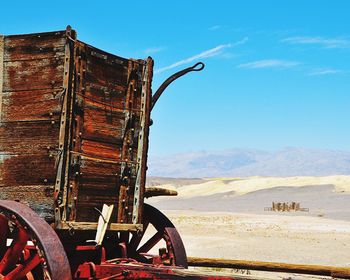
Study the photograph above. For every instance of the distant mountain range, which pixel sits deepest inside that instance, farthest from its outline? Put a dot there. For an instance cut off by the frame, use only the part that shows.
(250, 162)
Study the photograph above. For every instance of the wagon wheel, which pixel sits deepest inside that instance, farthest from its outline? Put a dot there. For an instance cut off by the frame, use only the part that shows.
(29, 247)
(138, 247)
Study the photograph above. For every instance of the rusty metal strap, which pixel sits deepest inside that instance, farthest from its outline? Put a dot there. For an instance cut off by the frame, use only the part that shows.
(1, 70)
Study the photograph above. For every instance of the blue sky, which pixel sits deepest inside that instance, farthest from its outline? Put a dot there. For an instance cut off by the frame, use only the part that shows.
(277, 72)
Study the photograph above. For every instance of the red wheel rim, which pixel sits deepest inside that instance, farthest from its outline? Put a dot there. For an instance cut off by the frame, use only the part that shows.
(29, 247)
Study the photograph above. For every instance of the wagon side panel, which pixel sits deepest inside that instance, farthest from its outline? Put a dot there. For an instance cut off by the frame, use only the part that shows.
(109, 121)
(31, 71)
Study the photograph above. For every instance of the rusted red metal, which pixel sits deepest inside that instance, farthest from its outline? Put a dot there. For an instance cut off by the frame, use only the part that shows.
(44, 256)
(129, 269)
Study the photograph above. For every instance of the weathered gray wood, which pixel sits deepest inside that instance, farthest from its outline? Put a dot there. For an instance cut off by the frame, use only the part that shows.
(155, 191)
(38, 197)
(93, 226)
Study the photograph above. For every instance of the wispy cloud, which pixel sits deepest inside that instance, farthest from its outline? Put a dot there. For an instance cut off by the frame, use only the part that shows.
(218, 50)
(214, 27)
(208, 53)
(269, 63)
(153, 50)
(329, 43)
(240, 42)
(324, 71)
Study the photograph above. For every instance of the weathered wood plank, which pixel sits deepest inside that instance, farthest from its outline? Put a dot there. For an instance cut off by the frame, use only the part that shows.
(93, 226)
(33, 74)
(35, 38)
(39, 198)
(34, 46)
(105, 69)
(155, 191)
(102, 150)
(115, 93)
(102, 125)
(29, 169)
(107, 103)
(339, 272)
(94, 166)
(29, 137)
(31, 105)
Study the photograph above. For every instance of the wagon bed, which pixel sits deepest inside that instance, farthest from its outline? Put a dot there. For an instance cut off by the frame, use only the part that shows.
(74, 129)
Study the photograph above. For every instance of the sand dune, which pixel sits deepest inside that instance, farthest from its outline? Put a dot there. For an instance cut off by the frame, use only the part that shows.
(241, 186)
(225, 218)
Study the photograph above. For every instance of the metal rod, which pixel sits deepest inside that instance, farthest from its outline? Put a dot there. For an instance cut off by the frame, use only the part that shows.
(172, 78)
(339, 272)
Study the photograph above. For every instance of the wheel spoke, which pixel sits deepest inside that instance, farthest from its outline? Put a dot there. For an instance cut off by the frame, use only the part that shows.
(175, 251)
(151, 243)
(21, 270)
(21, 261)
(136, 239)
(13, 253)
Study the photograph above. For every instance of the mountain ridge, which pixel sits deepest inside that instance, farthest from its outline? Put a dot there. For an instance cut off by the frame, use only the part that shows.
(289, 161)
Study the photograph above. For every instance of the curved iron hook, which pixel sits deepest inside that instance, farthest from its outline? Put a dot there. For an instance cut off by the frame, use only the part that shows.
(172, 78)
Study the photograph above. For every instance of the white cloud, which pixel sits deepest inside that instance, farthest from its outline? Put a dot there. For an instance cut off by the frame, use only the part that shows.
(240, 42)
(218, 50)
(214, 27)
(208, 53)
(153, 50)
(269, 63)
(324, 71)
(329, 43)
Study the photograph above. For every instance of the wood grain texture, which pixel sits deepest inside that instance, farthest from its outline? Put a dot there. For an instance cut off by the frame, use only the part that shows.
(32, 76)
(74, 127)
(339, 272)
(29, 137)
(34, 46)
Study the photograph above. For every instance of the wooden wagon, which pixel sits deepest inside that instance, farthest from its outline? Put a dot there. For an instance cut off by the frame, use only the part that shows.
(73, 152)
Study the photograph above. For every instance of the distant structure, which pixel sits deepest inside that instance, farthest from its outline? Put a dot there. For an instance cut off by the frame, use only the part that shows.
(286, 207)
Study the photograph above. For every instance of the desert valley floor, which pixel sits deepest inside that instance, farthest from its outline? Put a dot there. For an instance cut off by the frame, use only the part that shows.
(225, 218)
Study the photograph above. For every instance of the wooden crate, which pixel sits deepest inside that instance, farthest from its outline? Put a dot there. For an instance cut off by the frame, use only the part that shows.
(74, 129)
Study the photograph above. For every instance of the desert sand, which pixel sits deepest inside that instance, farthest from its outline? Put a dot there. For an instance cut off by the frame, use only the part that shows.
(225, 218)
